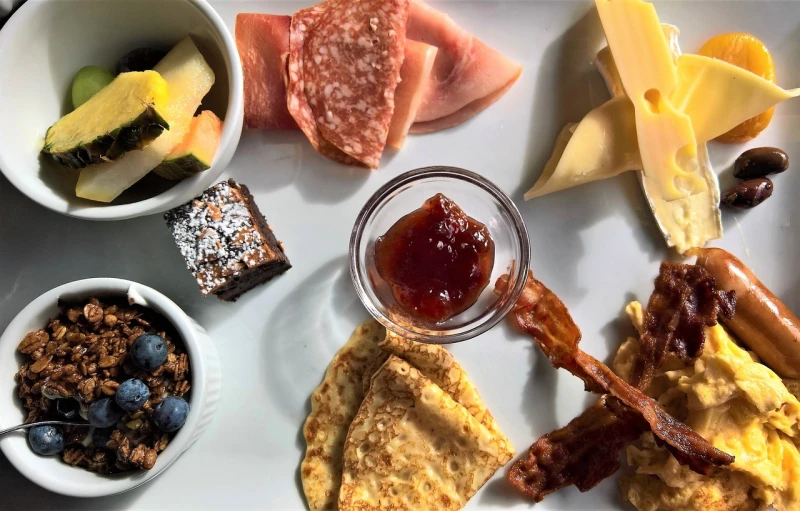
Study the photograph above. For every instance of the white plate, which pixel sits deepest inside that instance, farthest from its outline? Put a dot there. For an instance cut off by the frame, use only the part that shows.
(596, 246)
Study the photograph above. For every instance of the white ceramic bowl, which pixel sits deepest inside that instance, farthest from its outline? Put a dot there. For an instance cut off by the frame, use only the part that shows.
(44, 44)
(52, 473)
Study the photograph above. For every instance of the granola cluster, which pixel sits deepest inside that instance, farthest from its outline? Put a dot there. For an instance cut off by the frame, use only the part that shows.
(82, 354)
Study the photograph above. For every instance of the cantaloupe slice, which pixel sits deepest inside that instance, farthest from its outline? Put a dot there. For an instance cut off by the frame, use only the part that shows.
(415, 74)
(196, 152)
(189, 78)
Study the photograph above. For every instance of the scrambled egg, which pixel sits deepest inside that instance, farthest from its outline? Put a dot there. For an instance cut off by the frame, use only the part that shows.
(737, 404)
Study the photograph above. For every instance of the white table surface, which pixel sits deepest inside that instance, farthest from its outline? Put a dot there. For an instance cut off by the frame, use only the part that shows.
(596, 246)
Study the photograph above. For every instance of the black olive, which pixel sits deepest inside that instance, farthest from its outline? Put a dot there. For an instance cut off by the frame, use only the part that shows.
(748, 194)
(760, 162)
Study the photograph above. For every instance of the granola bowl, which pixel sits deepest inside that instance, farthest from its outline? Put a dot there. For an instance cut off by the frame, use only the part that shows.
(203, 379)
(46, 42)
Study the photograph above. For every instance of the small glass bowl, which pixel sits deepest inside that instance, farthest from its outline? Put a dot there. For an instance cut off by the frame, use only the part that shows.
(481, 200)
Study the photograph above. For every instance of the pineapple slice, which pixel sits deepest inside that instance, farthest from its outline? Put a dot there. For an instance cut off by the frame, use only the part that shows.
(124, 115)
(189, 78)
(196, 152)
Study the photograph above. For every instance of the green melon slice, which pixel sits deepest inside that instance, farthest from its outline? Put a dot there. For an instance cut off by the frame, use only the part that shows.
(125, 115)
(189, 78)
(196, 152)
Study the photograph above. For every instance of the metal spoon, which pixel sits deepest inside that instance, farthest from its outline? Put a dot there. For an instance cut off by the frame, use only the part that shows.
(43, 423)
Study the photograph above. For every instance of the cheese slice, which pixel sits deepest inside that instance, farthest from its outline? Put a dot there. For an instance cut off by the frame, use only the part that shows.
(718, 96)
(602, 145)
(693, 220)
(667, 143)
(684, 223)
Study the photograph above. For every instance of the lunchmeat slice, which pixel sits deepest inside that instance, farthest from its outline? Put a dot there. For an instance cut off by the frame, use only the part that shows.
(414, 76)
(461, 115)
(465, 72)
(263, 43)
(344, 66)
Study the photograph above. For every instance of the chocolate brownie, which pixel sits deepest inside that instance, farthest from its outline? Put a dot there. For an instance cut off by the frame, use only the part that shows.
(227, 243)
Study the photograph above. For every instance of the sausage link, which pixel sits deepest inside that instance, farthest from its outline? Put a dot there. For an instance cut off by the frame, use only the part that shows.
(762, 321)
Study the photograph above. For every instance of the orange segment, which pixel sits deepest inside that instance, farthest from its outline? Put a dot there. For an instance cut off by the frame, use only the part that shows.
(748, 52)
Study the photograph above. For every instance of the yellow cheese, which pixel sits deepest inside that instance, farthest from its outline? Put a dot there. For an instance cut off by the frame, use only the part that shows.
(691, 221)
(717, 95)
(667, 144)
(602, 145)
(685, 223)
(639, 46)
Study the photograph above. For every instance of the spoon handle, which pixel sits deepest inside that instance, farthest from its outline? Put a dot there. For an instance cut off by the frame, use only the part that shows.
(42, 423)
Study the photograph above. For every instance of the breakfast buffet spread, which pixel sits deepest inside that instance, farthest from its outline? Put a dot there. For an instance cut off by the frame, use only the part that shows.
(698, 409)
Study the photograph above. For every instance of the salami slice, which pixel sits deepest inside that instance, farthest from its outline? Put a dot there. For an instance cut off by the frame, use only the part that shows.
(344, 66)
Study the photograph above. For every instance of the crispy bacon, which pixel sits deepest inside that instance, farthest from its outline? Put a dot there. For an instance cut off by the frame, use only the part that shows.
(541, 313)
(583, 453)
(684, 302)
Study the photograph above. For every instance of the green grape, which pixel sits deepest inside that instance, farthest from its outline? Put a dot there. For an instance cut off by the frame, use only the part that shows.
(88, 82)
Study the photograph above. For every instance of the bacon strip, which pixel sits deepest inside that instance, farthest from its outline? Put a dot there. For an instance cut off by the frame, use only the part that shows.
(541, 313)
(685, 301)
(583, 453)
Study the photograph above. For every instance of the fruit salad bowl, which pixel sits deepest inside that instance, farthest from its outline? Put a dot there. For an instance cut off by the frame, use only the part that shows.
(43, 46)
(204, 376)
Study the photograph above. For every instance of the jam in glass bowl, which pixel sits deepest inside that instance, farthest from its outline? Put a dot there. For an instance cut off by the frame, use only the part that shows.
(428, 247)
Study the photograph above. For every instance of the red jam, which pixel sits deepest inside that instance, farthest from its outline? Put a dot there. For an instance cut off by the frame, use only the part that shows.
(436, 260)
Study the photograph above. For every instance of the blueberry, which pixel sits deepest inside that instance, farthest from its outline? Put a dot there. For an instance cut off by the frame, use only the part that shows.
(46, 440)
(132, 394)
(101, 436)
(104, 413)
(170, 414)
(67, 408)
(149, 352)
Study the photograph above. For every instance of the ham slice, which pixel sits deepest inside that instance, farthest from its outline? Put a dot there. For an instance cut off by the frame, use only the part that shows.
(467, 76)
(263, 40)
(447, 77)
(461, 115)
(414, 76)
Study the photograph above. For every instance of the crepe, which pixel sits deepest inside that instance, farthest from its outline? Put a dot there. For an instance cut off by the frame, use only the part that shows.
(333, 405)
(411, 446)
(348, 379)
(438, 364)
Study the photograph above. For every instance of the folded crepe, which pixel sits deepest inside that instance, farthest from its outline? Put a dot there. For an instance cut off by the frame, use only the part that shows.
(412, 446)
(348, 379)
(334, 404)
(441, 367)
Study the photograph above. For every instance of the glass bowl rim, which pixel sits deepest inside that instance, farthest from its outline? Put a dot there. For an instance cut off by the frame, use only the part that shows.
(387, 192)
